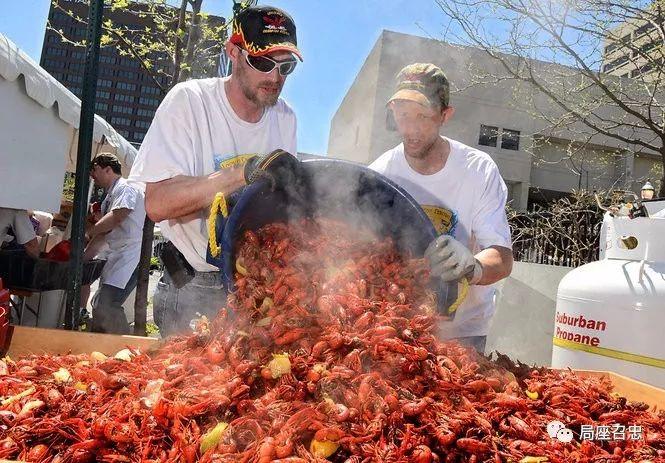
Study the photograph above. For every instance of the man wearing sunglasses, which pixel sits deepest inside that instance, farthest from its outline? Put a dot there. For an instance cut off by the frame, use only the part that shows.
(217, 135)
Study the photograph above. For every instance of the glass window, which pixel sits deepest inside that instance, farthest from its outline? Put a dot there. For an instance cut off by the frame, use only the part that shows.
(122, 109)
(101, 106)
(124, 98)
(120, 120)
(150, 90)
(145, 112)
(510, 139)
(142, 124)
(56, 51)
(139, 136)
(125, 86)
(488, 135)
(149, 101)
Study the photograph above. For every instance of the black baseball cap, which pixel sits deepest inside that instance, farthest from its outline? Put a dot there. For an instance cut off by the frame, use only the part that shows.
(264, 29)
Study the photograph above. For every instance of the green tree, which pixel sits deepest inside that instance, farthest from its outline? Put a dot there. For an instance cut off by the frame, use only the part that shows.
(177, 42)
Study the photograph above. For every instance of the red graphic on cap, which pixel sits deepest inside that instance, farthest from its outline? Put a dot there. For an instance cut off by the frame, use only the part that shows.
(275, 21)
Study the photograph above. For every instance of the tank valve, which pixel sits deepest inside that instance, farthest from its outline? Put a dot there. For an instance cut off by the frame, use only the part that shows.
(630, 242)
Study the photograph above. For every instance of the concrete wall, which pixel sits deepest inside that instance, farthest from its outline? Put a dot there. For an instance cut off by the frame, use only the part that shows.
(351, 126)
(523, 324)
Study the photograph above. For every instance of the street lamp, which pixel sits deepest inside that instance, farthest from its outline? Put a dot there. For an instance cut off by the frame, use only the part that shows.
(647, 191)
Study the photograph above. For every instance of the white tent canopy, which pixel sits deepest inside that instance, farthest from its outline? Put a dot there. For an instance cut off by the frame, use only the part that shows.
(39, 121)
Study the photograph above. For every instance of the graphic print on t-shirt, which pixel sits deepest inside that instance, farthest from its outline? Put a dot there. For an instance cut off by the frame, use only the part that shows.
(224, 161)
(444, 220)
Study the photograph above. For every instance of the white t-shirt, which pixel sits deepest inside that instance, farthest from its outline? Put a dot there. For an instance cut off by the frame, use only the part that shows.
(194, 130)
(19, 221)
(466, 199)
(124, 241)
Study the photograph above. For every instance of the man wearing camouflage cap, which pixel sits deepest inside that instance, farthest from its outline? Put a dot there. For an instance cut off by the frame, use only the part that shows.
(460, 189)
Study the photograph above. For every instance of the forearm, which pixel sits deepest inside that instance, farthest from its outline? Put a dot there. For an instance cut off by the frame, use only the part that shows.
(108, 222)
(93, 247)
(497, 263)
(182, 195)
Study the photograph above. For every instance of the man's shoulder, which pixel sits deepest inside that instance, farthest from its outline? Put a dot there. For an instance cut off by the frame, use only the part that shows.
(196, 86)
(473, 158)
(382, 163)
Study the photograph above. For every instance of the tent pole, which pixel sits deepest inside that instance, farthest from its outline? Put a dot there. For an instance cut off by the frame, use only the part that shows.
(82, 179)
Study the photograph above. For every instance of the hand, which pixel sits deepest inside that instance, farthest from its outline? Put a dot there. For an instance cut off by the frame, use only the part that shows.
(450, 260)
(278, 167)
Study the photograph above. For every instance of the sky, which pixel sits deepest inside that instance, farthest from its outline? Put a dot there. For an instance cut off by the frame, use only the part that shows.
(335, 37)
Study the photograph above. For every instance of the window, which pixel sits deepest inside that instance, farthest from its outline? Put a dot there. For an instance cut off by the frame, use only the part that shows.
(616, 63)
(124, 133)
(101, 106)
(78, 55)
(510, 139)
(488, 135)
(103, 94)
(104, 83)
(76, 90)
(149, 101)
(51, 63)
(150, 90)
(105, 71)
(122, 109)
(56, 51)
(124, 98)
(107, 59)
(77, 79)
(142, 124)
(132, 63)
(645, 28)
(77, 67)
(145, 112)
(120, 121)
(125, 74)
(125, 86)
(139, 136)
(52, 39)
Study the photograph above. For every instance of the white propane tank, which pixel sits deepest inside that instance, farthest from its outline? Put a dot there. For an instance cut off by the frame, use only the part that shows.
(610, 314)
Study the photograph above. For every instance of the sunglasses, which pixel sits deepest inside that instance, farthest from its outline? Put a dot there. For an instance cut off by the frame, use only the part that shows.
(266, 65)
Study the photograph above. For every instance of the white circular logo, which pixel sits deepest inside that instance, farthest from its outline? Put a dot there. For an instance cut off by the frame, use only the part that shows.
(564, 435)
(553, 428)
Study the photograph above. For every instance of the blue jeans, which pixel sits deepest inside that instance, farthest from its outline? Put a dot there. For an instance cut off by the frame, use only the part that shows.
(477, 342)
(108, 314)
(174, 308)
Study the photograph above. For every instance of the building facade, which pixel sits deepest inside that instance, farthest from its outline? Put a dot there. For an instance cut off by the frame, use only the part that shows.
(536, 163)
(127, 95)
(635, 50)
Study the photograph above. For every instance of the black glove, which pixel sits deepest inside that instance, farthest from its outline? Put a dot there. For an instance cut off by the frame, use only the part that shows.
(279, 167)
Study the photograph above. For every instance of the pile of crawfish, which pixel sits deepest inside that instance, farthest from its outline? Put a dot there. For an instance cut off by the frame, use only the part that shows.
(326, 352)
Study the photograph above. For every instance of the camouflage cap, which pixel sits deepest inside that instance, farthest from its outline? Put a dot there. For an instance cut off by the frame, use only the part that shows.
(423, 83)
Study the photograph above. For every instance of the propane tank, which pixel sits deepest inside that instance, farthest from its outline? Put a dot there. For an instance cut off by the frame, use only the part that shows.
(610, 314)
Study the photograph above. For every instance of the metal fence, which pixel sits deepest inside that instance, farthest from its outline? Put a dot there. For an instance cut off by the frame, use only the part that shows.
(566, 233)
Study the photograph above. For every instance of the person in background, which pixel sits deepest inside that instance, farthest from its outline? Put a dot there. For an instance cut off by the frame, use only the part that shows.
(116, 236)
(216, 135)
(22, 231)
(460, 189)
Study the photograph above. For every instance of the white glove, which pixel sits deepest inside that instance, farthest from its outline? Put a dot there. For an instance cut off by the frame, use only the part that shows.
(450, 260)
